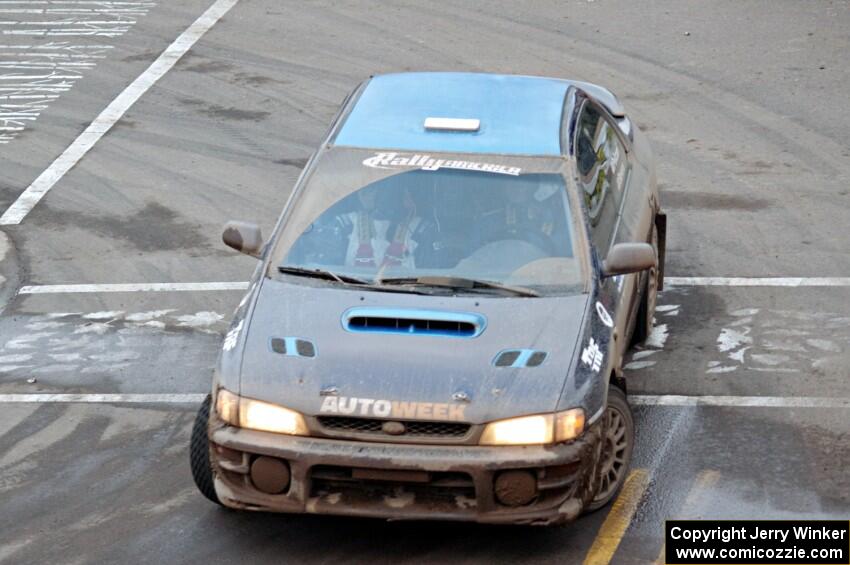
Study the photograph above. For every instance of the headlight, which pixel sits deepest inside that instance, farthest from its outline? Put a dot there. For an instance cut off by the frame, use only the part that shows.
(227, 406)
(258, 415)
(535, 430)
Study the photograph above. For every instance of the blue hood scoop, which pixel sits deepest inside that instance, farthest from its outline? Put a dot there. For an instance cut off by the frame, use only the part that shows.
(414, 321)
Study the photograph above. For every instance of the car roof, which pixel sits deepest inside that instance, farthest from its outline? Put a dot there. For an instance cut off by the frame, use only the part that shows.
(518, 114)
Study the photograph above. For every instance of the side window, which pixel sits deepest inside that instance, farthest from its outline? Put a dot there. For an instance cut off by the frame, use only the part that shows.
(602, 165)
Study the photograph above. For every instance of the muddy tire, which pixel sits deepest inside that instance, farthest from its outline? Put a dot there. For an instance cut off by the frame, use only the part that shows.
(199, 452)
(646, 311)
(618, 443)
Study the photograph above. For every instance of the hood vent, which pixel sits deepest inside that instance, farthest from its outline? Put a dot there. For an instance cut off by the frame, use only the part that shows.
(520, 358)
(293, 346)
(414, 322)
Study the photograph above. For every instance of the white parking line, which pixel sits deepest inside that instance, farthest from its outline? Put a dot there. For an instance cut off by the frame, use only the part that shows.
(113, 112)
(104, 398)
(740, 401)
(757, 281)
(635, 399)
(235, 285)
(52, 66)
(132, 287)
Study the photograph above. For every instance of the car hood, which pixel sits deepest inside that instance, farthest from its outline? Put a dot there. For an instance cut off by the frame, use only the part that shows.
(435, 371)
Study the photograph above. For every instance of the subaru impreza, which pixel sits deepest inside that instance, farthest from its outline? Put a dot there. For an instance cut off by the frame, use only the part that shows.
(437, 324)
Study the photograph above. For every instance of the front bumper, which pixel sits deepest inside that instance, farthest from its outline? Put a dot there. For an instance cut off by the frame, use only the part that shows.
(459, 483)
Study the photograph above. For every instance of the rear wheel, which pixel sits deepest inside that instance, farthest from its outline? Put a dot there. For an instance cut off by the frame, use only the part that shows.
(646, 311)
(618, 443)
(199, 452)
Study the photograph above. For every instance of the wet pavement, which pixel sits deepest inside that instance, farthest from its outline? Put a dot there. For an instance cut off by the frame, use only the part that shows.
(99, 484)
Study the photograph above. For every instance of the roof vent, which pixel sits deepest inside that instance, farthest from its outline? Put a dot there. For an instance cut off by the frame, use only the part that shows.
(452, 124)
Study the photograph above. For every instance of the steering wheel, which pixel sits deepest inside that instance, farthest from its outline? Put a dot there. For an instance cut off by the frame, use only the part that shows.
(536, 238)
(450, 251)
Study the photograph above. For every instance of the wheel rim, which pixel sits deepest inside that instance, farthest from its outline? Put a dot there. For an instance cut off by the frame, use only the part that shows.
(613, 462)
(652, 297)
(652, 288)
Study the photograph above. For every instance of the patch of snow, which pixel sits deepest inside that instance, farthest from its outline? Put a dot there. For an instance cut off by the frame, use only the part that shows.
(65, 357)
(722, 369)
(105, 315)
(641, 354)
(15, 358)
(745, 312)
(769, 359)
(824, 345)
(98, 328)
(658, 337)
(200, 319)
(147, 316)
(730, 339)
(635, 365)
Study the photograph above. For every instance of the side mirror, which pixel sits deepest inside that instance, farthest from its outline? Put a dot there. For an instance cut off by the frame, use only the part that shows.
(626, 258)
(243, 237)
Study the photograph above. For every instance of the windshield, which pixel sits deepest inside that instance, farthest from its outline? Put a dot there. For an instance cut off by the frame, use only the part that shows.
(500, 228)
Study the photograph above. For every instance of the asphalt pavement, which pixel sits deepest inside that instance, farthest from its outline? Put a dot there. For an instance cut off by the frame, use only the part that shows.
(744, 104)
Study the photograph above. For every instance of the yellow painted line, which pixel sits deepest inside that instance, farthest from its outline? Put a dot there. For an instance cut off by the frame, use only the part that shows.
(622, 510)
(705, 480)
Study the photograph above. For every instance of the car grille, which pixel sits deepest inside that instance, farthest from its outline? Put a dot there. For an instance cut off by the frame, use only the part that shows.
(413, 428)
(438, 488)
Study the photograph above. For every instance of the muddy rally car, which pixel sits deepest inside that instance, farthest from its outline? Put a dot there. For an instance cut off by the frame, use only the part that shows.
(437, 325)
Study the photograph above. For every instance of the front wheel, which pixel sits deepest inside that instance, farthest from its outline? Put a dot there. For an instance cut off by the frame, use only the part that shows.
(199, 452)
(618, 443)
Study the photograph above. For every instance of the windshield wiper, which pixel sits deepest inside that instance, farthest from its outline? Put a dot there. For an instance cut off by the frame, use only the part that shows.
(342, 279)
(459, 283)
(320, 274)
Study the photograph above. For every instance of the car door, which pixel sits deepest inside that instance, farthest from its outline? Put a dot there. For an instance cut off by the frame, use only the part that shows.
(603, 167)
